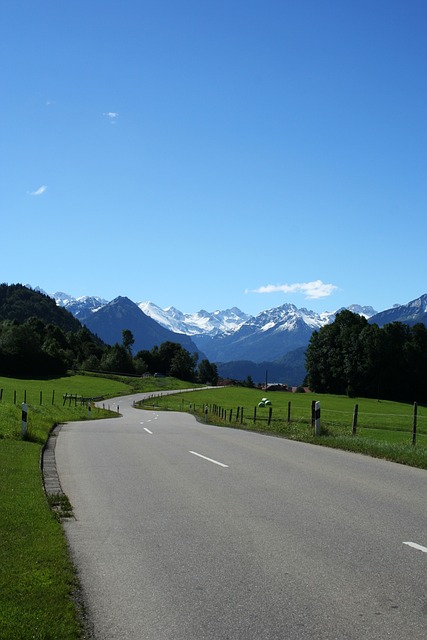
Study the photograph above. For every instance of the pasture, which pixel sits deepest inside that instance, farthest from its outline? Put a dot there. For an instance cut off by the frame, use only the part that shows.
(384, 428)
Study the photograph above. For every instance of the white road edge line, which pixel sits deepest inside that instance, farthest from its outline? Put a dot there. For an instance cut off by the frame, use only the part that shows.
(416, 546)
(148, 431)
(220, 464)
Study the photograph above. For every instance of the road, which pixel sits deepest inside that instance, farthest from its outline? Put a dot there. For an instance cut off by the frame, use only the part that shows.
(185, 531)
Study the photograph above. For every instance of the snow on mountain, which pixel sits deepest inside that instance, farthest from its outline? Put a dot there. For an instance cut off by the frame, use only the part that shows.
(109, 321)
(202, 322)
(286, 318)
(80, 307)
(267, 336)
(230, 334)
(367, 312)
(169, 318)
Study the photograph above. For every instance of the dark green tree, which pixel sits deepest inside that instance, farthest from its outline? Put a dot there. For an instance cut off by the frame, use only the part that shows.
(116, 359)
(334, 357)
(183, 365)
(207, 372)
(127, 340)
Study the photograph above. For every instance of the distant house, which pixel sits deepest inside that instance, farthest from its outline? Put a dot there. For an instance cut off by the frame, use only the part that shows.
(225, 382)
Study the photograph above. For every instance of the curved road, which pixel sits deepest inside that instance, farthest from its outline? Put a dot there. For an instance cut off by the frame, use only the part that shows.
(185, 531)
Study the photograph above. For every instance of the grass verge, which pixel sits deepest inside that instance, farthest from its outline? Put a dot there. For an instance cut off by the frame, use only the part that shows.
(37, 579)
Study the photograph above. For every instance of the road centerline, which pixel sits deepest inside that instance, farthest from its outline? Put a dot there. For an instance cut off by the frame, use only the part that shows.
(414, 545)
(148, 431)
(220, 464)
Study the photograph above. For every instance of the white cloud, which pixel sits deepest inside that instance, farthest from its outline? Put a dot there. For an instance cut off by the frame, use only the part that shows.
(112, 116)
(311, 290)
(40, 191)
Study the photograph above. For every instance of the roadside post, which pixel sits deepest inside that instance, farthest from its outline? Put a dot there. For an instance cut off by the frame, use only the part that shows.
(24, 419)
(317, 419)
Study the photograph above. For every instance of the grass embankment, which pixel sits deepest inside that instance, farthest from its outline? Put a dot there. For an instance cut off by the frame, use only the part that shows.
(384, 429)
(37, 581)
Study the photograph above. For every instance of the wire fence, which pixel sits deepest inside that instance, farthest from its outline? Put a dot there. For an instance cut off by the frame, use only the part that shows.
(329, 420)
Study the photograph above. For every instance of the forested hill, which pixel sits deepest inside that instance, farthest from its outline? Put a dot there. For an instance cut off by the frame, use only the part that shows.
(38, 338)
(19, 303)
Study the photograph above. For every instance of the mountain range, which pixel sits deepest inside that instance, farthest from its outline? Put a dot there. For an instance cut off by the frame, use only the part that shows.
(238, 343)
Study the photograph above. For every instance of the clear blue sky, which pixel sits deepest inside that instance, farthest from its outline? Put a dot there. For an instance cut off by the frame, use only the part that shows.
(216, 153)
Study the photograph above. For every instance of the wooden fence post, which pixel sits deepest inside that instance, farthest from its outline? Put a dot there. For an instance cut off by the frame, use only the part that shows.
(414, 424)
(289, 411)
(355, 414)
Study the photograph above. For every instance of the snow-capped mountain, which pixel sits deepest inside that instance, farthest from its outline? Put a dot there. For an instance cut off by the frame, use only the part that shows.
(82, 307)
(411, 313)
(202, 322)
(109, 321)
(226, 335)
(367, 312)
(267, 336)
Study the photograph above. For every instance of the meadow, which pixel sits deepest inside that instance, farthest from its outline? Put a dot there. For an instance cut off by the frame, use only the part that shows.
(384, 428)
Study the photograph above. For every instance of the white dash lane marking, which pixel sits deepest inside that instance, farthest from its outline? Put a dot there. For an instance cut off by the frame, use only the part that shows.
(416, 546)
(220, 464)
(148, 431)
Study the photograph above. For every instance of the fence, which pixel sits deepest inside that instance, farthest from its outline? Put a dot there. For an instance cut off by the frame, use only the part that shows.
(73, 399)
(320, 420)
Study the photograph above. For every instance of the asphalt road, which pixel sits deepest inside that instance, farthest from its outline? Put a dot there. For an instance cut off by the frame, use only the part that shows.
(185, 531)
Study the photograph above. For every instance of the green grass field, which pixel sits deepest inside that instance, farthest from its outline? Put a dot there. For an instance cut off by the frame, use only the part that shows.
(384, 429)
(37, 580)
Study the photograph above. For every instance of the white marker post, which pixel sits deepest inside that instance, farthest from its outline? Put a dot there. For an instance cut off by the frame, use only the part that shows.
(24, 419)
(317, 419)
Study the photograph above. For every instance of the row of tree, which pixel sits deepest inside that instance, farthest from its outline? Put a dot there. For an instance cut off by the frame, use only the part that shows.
(351, 356)
(168, 359)
(35, 349)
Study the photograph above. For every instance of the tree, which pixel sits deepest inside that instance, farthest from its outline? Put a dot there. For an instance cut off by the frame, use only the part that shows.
(249, 382)
(116, 359)
(350, 356)
(182, 365)
(128, 340)
(207, 372)
(334, 357)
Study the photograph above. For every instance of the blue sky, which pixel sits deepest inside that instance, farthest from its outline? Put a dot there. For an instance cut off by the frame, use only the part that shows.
(209, 154)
